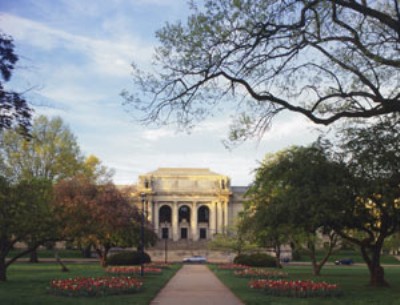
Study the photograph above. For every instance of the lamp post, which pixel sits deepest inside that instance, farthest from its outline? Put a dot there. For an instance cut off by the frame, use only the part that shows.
(143, 198)
(165, 243)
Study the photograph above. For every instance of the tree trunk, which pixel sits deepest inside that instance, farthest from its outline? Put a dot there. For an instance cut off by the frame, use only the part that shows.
(3, 269)
(58, 260)
(376, 271)
(87, 251)
(33, 258)
(317, 269)
(278, 256)
(377, 277)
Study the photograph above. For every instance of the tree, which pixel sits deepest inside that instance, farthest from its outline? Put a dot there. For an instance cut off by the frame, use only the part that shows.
(95, 171)
(25, 214)
(324, 59)
(372, 154)
(295, 195)
(50, 153)
(235, 239)
(99, 215)
(14, 109)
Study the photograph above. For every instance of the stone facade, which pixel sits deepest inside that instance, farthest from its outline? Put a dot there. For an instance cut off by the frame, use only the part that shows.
(188, 204)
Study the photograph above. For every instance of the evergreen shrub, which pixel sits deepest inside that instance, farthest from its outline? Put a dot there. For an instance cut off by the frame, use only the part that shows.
(255, 260)
(128, 258)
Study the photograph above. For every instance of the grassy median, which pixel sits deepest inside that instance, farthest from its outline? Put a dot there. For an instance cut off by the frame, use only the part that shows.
(353, 281)
(27, 285)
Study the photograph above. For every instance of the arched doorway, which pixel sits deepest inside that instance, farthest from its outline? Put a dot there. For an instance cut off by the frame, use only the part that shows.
(165, 220)
(203, 220)
(184, 221)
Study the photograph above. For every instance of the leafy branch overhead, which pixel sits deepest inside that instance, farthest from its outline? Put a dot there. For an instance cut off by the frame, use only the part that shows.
(14, 109)
(325, 59)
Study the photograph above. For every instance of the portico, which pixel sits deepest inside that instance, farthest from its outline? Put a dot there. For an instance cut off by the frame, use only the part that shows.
(187, 204)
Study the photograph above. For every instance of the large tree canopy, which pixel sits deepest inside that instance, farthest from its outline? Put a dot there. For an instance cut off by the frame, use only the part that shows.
(372, 154)
(325, 59)
(297, 195)
(14, 109)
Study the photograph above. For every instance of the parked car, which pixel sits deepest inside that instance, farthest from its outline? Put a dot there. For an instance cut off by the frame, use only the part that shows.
(344, 261)
(195, 259)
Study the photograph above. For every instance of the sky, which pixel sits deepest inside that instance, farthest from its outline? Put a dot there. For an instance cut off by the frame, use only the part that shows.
(74, 61)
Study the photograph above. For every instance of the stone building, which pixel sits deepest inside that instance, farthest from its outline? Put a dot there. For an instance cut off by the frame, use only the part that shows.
(190, 204)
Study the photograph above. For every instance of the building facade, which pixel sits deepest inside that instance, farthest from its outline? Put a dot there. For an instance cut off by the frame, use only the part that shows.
(188, 204)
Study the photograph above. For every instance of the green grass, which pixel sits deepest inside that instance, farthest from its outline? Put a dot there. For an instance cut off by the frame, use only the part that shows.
(352, 279)
(27, 283)
(50, 254)
(355, 255)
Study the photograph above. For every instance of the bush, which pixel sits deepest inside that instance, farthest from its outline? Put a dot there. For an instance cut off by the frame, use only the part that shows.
(255, 260)
(128, 258)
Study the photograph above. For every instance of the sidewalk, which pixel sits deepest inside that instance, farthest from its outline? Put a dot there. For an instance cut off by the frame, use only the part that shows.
(195, 285)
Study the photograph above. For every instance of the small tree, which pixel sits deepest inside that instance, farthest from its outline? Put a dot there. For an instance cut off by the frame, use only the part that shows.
(25, 214)
(235, 239)
(97, 215)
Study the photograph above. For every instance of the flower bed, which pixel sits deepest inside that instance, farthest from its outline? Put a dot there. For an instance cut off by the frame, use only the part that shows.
(297, 289)
(260, 273)
(159, 265)
(132, 270)
(232, 267)
(94, 286)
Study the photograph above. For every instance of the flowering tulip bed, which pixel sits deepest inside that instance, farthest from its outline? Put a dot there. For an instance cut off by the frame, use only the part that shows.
(260, 273)
(297, 289)
(94, 286)
(232, 267)
(132, 270)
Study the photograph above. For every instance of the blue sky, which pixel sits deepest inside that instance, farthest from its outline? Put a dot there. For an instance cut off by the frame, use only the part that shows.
(75, 58)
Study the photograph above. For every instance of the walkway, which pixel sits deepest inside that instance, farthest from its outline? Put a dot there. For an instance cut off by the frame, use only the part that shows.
(195, 285)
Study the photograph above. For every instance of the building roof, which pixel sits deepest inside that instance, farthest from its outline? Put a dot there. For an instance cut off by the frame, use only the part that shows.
(166, 171)
(239, 189)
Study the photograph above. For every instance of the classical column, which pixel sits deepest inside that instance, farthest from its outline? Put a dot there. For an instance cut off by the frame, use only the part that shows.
(175, 218)
(220, 221)
(156, 220)
(193, 220)
(150, 204)
(226, 216)
(213, 219)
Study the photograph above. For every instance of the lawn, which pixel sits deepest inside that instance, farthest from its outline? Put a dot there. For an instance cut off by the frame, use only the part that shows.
(355, 255)
(43, 253)
(27, 285)
(352, 279)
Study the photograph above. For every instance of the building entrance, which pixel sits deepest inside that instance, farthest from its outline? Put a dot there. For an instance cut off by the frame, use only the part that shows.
(184, 233)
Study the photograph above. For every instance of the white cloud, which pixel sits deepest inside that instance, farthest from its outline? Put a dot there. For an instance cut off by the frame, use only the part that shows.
(291, 127)
(109, 57)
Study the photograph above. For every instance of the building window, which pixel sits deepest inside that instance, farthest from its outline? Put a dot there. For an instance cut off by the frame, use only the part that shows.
(203, 214)
(165, 214)
(203, 233)
(165, 233)
(183, 233)
(184, 213)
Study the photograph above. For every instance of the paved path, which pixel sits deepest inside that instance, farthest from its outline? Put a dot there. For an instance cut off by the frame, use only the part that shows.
(195, 285)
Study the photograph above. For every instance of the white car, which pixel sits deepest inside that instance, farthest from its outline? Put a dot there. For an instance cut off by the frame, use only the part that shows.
(195, 259)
